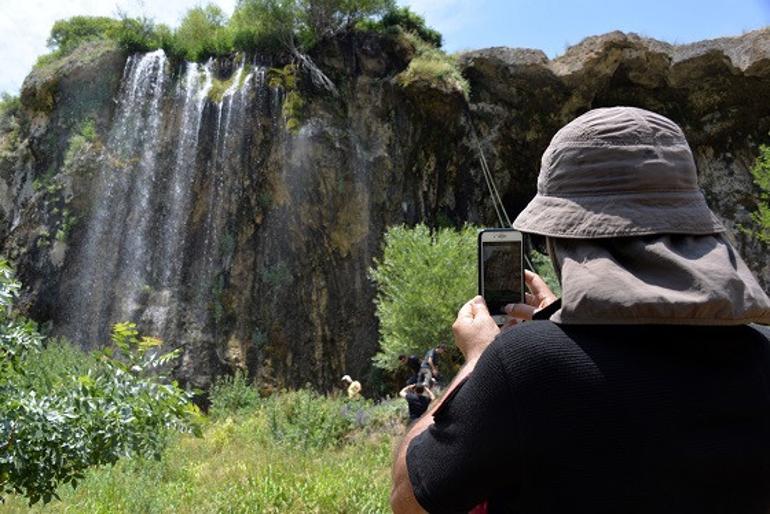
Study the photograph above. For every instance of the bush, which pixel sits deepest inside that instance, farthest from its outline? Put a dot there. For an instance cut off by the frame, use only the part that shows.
(544, 268)
(66, 35)
(9, 123)
(9, 105)
(54, 366)
(268, 26)
(239, 466)
(55, 425)
(430, 65)
(761, 216)
(232, 394)
(422, 280)
(262, 25)
(142, 35)
(308, 420)
(202, 33)
(406, 20)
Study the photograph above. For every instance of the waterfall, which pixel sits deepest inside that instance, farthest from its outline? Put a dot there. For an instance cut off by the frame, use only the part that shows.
(144, 255)
(197, 83)
(122, 192)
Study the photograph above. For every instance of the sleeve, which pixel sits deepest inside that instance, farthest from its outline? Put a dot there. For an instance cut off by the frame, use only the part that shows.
(470, 451)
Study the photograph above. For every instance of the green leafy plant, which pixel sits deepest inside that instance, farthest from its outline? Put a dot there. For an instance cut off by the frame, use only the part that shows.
(66, 35)
(9, 105)
(241, 466)
(143, 35)
(202, 33)
(307, 419)
(403, 19)
(433, 67)
(286, 79)
(422, 279)
(232, 393)
(544, 268)
(52, 435)
(761, 216)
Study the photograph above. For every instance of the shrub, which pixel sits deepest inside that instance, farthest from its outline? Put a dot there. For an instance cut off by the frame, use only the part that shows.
(239, 466)
(544, 268)
(306, 419)
(66, 35)
(262, 25)
(54, 425)
(202, 33)
(432, 66)
(9, 124)
(231, 394)
(142, 35)
(54, 366)
(406, 20)
(9, 105)
(761, 216)
(422, 280)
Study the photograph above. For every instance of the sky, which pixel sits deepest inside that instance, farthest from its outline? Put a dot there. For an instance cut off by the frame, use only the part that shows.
(550, 25)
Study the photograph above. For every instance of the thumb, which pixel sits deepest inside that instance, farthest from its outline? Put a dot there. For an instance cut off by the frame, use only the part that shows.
(479, 307)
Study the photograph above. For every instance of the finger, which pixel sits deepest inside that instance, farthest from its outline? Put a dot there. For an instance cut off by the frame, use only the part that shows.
(479, 307)
(537, 285)
(531, 299)
(466, 311)
(519, 310)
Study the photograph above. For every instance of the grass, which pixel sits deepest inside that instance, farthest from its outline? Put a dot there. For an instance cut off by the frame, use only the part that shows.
(296, 451)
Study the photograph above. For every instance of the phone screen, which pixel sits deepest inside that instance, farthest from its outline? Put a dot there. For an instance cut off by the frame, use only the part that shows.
(502, 274)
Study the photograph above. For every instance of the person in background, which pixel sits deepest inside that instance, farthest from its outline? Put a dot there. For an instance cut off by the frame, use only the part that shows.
(353, 387)
(418, 398)
(412, 364)
(429, 369)
(644, 389)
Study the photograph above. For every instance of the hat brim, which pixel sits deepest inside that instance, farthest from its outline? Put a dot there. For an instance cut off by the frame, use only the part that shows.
(618, 215)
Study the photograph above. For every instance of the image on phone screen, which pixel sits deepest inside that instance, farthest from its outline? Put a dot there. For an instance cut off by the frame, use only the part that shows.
(502, 274)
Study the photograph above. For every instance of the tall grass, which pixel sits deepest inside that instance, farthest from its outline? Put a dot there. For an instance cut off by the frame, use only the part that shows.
(295, 451)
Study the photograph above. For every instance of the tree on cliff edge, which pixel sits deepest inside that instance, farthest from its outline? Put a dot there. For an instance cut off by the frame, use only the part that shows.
(298, 25)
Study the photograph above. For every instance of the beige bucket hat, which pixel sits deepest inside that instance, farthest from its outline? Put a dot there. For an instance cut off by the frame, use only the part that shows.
(614, 172)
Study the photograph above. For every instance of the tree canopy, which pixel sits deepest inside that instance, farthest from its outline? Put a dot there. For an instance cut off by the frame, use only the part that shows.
(422, 279)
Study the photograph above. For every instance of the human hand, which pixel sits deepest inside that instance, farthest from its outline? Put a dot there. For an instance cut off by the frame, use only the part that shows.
(474, 328)
(539, 297)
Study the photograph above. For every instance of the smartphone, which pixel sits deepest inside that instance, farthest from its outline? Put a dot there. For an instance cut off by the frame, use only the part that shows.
(501, 269)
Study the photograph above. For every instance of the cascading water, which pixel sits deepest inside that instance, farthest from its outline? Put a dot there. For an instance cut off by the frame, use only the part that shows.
(145, 255)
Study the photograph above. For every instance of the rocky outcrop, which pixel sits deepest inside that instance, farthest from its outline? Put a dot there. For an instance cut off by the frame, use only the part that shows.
(131, 191)
(718, 91)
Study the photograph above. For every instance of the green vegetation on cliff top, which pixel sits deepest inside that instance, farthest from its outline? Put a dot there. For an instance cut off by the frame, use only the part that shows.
(256, 26)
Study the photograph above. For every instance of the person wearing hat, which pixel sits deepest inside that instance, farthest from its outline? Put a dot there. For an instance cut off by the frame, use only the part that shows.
(353, 387)
(645, 388)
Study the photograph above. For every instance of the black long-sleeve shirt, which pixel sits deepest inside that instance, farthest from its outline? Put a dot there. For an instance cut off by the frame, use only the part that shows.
(616, 419)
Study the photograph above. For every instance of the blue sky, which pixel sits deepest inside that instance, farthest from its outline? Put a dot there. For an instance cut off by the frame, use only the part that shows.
(466, 24)
(552, 25)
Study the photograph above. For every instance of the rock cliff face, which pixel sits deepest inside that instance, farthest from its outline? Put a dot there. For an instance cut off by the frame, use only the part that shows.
(173, 195)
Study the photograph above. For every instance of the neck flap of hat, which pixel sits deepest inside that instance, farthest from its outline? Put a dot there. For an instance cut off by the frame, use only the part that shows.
(665, 279)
